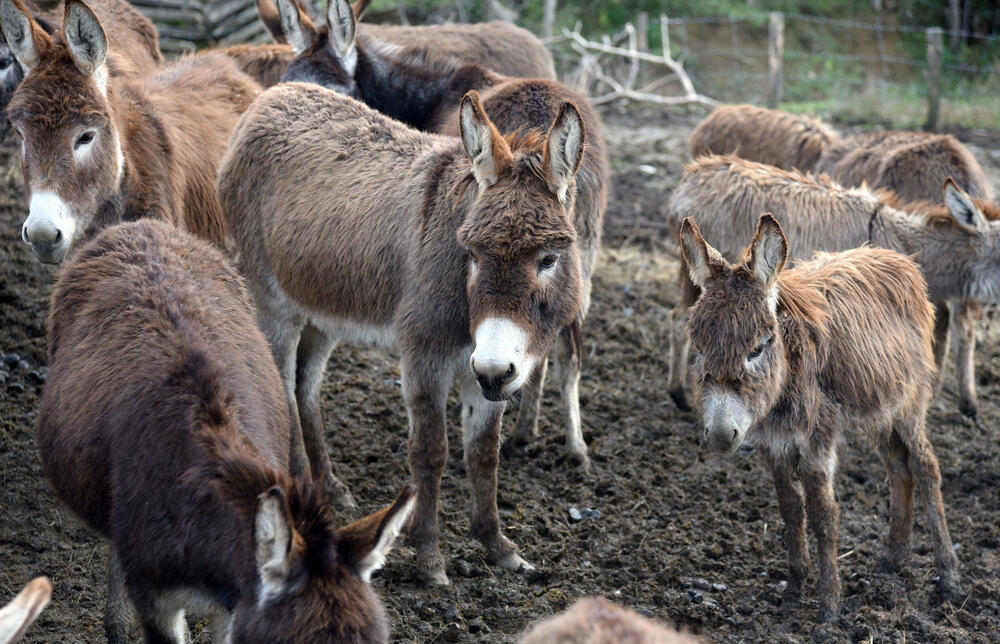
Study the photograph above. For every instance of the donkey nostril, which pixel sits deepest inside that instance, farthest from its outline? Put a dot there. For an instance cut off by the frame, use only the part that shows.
(735, 434)
(511, 373)
(24, 234)
(58, 237)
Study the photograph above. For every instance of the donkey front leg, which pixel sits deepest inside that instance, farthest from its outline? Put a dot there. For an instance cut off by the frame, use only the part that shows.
(964, 314)
(894, 454)
(526, 426)
(568, 361)
(481, 421)
(792, 508)
(821, 507)
(118, 614)
(942, 321)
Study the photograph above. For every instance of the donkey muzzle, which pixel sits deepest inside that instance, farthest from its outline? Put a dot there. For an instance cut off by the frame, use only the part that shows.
(49, 228)
(727, 420)
(500, 360)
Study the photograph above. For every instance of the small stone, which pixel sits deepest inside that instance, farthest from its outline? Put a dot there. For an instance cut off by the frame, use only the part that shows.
(575, 515)
(695, 596)
(719, 588)
(645, 168)
(464, 568)
(452, 632)
(478, 626)
(451, 614)
(23, 365)
(35, 376)
(782, 585)
(3, 377)
(957, 547)
(16, 387)
(762, 574)
(629, 311)
(701, 584)
(685, 584)
(591, 513)
(11, 360)
(745, 609)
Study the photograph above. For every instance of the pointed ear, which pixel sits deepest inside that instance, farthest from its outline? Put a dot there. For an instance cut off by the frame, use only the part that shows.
(268, 12)
(299, 30)
(27, 40)
(279, 548)
(963, 209)
(702, 260)
(359, 8)
(365, 543)
(88, 44)
(768, 251)
(488, 151)
(342, 27)
(17, 616)
(564, 149)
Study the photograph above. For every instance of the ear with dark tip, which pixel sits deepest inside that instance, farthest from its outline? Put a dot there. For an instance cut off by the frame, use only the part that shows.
(564, 149)
(768, 251)
(360, 7)
(27, 40)
(268, 12)
(488, 151)
(342, 27)
(365, 543)
(88, 44)
(18, 615)
(299, 30)
(963, 209)
(276, 542)
(702, 260)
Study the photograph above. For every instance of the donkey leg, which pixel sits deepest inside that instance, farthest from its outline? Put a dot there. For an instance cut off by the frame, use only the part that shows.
(526, 426)
(894, 454)
(680, 341)
(425, 388)
(481, 420)
(941, 323)
(118, 614)
(964, 314)
(821, 507)
(568, 362)
(313, 353)
(162, 620)
(792, 508)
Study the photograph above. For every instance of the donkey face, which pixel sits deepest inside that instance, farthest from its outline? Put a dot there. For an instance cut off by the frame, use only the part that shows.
(327, 56)
(71, 155)
(312, 579)
(524, 282)
(740, 365)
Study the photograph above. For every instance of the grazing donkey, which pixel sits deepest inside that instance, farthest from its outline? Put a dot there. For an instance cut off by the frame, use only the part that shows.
(955, 243)
(349, 225)
(135, 48)
(164, 426)
(99, 150)
(767, 136)
(23, 610)
(793, 357)
(424, 91)
(594, 620)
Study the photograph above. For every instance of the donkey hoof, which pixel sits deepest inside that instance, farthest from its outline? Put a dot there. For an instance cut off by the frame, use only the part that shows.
(515, 562)
(888, 565)
(680, 399)
(969, 407)
(827, 615)
(581, 460)
(951, 591)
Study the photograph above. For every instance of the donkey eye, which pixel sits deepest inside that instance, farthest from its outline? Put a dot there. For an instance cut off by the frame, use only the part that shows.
(5, 63)
(83, 139)
(760, 348)
(547, 262)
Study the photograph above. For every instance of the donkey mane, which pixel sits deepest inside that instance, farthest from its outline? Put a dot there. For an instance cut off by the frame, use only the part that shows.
(933, 212)
(804, 302)
(761, 171)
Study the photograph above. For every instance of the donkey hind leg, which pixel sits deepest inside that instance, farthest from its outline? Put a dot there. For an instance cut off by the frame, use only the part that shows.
(894, 454)
(927, 477)
(481, 420)
(792, 507)
(426, 382)
(313, 353)
(568, 362)
(118, 614)
(941, 324)
(964, 314)
(680, 342)
(526, 426)
(823, 513)
(162, 619)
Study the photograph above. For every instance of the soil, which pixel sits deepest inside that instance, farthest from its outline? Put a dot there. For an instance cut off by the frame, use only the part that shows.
(674, 519)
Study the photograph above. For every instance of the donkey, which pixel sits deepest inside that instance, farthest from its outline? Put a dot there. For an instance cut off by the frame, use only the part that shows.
(99, 150)
(767, 136)
(135, 50)
(424, 91)
(164, 426)
(23, 610)
(791, 357)
(461, 254)
(594, 620)
(955, 243)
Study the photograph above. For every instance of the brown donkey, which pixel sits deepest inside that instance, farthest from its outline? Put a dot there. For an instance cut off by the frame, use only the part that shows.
(351, 226)
(23, 610)
(424, 91)
(791, 357)
(97, 151)
(164, 426)
(135, 47)
(955, 243)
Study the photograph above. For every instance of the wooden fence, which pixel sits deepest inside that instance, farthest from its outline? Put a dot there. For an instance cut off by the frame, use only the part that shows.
(186, 25)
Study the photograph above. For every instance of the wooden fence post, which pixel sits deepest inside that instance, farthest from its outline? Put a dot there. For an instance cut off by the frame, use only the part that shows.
(934, 38)
(775, 57)
(548, 18)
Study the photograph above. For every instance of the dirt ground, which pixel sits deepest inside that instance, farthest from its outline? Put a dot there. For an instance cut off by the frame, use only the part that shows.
(683, 535)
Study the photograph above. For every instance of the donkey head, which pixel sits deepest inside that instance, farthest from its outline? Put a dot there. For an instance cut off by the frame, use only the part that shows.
(524, 282)
(740, 364)
(326, 56)
(11, 75)
(70, 154)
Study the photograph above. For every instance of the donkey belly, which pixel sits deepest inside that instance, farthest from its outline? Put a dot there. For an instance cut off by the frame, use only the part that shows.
(372, 334)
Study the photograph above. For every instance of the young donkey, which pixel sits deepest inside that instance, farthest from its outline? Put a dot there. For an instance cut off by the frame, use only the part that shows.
(99, 150)
(465, 258)
(164, 426)
(955, 243)
(424, 90)
(791, 356)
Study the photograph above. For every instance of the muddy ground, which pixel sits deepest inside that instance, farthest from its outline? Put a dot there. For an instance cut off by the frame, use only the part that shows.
(671, 514)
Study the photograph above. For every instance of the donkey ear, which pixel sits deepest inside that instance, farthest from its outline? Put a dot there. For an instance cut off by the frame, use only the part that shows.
(299, 30)
(342, 26)
(963, 209)
(27, 40)
(365, 543)
(488, 151)
(275, 539)
(88, 44)
(268, 12)
(359, 8)
(17, 616)
(703, 261)
(768, 251)
(564, 149)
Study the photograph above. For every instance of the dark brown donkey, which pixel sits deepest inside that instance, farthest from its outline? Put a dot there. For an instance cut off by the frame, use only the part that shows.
(424, 91)
(838, 346)
(164, 426)
(350, 225)
(99, 150)
(135, 47)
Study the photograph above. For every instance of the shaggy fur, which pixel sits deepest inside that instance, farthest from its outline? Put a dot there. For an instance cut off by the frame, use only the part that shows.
(594, 620)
